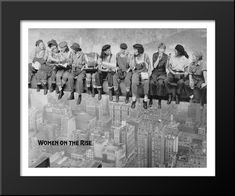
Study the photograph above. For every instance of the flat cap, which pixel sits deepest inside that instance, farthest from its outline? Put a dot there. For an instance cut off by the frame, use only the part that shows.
(52, 43)
(63, 44)
(106, 47)
(38, 42)
(138, 46)
(76, 47)
(123, 46)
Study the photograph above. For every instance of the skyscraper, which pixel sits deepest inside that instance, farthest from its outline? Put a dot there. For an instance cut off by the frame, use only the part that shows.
(171, 133)
(68, 125)
(158, 147)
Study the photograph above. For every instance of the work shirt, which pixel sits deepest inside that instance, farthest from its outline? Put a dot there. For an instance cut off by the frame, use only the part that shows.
(52, 57)
(141, 63)
(65, 57)
(179, 64)
(123, 61)
(107, 59)
(38, 55)
(78, 60)
(196, 70)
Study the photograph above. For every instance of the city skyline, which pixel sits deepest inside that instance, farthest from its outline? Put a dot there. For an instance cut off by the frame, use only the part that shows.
(174, 136)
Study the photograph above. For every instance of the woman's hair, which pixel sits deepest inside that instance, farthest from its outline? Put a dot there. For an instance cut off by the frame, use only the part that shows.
(198, 55)
(181, 51)
(38, 42)
(140, 50)
(77, 50)
(103, 55)
(162, 45)
(52, 43)
(104, 48)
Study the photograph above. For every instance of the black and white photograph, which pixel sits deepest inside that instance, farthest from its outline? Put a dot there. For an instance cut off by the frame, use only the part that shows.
(117, 97)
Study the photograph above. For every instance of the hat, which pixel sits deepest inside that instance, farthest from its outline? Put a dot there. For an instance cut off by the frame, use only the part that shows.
(76, 47)
(139, 47)
(52, 43)
(38, 42)
(106, 47)
(123, 46)
(63, 44)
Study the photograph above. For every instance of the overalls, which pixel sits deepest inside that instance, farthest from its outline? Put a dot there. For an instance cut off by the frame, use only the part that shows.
(122, 74)
(91, 60)
(136, 77)
(198, 79)
(74, 74)
(65, 58)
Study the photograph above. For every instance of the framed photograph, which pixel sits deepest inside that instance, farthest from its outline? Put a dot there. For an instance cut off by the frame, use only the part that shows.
(117, 97)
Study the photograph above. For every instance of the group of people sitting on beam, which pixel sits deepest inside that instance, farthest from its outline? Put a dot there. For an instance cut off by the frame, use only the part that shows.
(164, 75)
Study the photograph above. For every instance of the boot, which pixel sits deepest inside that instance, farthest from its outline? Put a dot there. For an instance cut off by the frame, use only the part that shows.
(110, 95)
(45, 89)
(88, 90)
(177, 100)
(133, 104)
(145, 104)
(117, 96)
(99, 94)
(79, 100)
(159, 104)
(169, 99)
(127, 97)
(51, 89)
(57, 90)
(38, 87)
(71, 97)
(93, 92)
(61, 93)
(150, 102)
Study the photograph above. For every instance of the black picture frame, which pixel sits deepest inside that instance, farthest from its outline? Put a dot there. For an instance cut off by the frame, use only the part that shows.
(14, 12)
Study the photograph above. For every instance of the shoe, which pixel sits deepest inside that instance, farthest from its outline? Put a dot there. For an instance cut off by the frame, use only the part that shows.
(45, 89)
(61, 93)
(117, 96)
(145, 104)
(88, 90)
(79, 100)
(71, 97)
(133, 104)
(99, 94)
(169, 99)
(159, 104)
(51, 89)
(93, 92)
(150, 102)
(110, 95)
(177, 100)
(38, 87)
(127, 97)
(57, 90)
